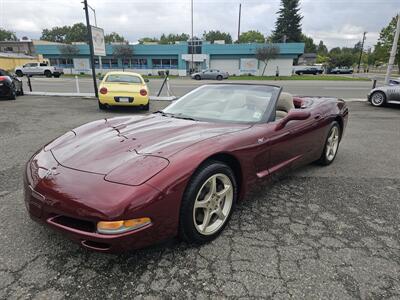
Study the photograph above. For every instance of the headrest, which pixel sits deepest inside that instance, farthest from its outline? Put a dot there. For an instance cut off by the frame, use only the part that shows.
(285, 102)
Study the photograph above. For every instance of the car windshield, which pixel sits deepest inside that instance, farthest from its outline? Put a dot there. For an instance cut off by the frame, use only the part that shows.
(238, 103)
(125, 78)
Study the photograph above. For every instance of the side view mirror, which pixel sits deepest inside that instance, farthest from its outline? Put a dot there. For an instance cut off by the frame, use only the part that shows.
(146, 80)
(101, 77)
(293, 114)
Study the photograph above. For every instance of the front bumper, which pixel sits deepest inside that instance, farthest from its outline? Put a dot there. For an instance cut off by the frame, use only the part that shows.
(72, 202)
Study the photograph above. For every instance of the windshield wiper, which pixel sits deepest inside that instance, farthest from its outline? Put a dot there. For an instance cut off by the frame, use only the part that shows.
(183, 118)
(177, 116)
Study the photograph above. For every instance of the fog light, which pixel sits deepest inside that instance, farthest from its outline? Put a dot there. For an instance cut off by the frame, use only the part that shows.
(115, 227)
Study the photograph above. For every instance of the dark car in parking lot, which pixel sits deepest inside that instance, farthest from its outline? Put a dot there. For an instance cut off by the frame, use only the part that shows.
(344, 70)
(309, 70)
(10, 85)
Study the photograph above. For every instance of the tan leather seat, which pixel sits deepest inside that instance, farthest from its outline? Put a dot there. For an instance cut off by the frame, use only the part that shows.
(285, 103)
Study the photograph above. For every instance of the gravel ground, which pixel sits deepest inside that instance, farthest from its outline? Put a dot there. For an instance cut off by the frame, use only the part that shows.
(318, 233)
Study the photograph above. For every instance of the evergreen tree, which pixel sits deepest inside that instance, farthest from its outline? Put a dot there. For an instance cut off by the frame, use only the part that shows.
(288, 24)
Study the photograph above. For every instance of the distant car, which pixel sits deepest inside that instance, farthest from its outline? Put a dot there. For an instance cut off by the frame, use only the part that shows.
(210, 74)
(344, 70)
(384, 94)
(39, 68)
(10, 85)
(123, 89)
(309, 70)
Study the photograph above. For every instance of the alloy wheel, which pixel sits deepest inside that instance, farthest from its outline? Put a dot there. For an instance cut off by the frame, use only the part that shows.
(213, 204)
(377, 99)
(332, 143)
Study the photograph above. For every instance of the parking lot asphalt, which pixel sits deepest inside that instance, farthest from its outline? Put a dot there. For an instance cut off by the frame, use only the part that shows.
(318, 233)
(180, 86)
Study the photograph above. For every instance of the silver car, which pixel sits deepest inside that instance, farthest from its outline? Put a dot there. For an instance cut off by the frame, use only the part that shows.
(384, 94)
(210, 74)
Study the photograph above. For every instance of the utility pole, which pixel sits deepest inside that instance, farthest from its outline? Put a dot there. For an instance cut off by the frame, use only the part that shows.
(192, 42)
(89, 29)
(240, 14)
(361, 52)
(393, 52)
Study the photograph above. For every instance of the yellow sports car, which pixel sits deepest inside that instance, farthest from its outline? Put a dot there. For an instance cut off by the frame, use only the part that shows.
(123, 89)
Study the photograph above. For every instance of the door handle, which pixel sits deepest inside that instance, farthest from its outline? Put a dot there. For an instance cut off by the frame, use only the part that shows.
(317, 117)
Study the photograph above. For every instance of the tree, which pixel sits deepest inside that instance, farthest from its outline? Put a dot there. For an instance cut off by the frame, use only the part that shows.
(55, 34)
(385, 41)
(217, 35)
(321, 49)
(68, 51)
(66, 34)
(251, 36)
(123, 52)
(288, 24)
(172, 38)
(7, 35)
(309, 46)
(267, 53)
(76, 33)
(113, 37)
(148, 40)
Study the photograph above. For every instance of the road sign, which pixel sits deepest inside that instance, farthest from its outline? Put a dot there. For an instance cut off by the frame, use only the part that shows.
(99, 46)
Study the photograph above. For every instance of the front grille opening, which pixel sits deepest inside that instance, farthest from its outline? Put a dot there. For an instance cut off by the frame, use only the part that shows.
(75, 223)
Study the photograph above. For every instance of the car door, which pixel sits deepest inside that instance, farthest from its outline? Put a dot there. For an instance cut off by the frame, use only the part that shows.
(393, 93)
(294, 144)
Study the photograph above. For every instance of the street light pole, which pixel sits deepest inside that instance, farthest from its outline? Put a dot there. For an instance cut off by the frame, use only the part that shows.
(361, 52)
(393, 51)
(89, 29)
(240, 15)
(191, 68)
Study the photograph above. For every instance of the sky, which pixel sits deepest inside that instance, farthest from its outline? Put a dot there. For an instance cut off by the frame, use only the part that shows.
(336, 22)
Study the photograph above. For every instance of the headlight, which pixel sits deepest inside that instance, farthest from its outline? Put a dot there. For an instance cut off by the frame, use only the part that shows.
(115, 227)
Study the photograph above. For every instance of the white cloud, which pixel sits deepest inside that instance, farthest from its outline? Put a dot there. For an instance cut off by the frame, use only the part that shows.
(336, 22)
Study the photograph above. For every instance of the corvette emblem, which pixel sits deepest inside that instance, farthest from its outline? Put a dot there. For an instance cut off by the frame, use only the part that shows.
(50, 173)
(261, 140)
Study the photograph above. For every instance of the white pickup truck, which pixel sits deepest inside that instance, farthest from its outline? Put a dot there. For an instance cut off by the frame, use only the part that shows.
(38, 68)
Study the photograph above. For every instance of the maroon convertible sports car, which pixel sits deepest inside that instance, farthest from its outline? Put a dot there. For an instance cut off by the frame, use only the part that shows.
(128, 182)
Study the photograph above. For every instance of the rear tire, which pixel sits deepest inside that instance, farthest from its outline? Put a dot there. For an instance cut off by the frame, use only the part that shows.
(378, 99)
(47, 73)
(197, 77)
(331, 146)
(13, 95)
(146, 107)
(210, 197)
(56, 76)
(102, 106)
(19, 73)
(219, 77)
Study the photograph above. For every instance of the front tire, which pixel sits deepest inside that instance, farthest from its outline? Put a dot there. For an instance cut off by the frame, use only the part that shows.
(219, 77)
(47, 73)
(331, 145)
(378, 99)
(19, 73)
(207, 203)
(197, 77)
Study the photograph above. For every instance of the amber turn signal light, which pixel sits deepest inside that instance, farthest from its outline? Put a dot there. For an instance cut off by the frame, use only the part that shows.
(115, 227)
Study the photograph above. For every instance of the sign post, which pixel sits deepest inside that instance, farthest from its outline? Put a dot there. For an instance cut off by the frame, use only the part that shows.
(91, 47)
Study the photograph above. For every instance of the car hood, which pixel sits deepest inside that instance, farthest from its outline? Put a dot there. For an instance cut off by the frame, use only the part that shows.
(104, 145)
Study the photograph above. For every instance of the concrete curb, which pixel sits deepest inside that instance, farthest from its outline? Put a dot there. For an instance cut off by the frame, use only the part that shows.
(91, 95)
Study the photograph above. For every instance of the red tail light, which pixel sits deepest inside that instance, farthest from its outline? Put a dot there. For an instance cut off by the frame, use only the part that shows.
(143, 92)
(3, 78)
(103, 90)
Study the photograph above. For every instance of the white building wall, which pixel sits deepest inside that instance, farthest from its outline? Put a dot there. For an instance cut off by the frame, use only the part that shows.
(227, 65)
(153, 72)
(232, 66)
(285, 66)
